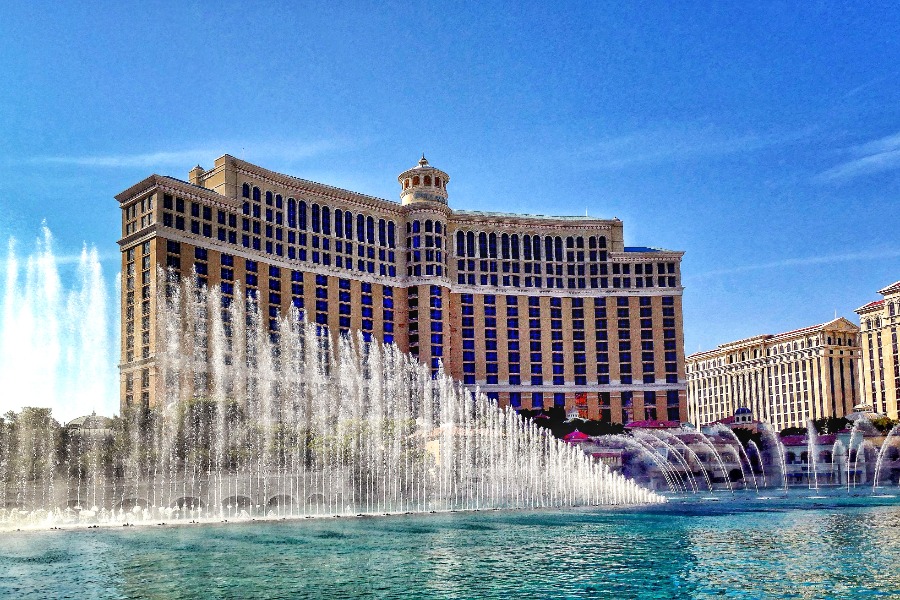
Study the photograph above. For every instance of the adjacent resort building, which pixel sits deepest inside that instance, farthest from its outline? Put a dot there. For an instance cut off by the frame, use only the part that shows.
(880, 367)
(536, 311)
(784, 379)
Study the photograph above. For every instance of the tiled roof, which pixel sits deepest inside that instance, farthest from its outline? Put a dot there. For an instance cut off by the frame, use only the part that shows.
(894, 287)
(871, 305)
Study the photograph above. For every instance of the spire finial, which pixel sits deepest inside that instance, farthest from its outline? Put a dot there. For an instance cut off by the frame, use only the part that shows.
(423, 162)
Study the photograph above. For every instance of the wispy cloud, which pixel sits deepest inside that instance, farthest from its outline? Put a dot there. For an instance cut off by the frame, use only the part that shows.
(678, 144)
(801, 262)
(286, 151)
(872, 157)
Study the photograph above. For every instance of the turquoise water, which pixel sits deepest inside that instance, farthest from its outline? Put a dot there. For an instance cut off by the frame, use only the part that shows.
(824, 548)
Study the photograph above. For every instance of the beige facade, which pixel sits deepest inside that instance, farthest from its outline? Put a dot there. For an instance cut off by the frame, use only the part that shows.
(880, 365)
(783, 379)
(536, 311)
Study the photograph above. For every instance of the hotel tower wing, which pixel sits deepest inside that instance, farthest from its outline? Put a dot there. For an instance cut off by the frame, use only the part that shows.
(536, 311)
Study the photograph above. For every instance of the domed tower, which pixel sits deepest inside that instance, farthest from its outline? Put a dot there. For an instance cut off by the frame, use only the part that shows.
(423, 183)
(423, 191)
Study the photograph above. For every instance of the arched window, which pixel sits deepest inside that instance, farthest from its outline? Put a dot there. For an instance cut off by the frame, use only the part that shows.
(360, 228)
(370, 230)
(536, 246)
(492, 245)
(428, 180)
(504, 246)
(515, 246)
(548, 248)
(438, 182)
(406, 183)
(315, 218)
(382, 232)
(338, 222)
(245, 190)
(326, 220)
(302, 211)
(579, 242)
(460, 243)
(292, 212)
(348, 225)
(278, 201)
(592, 243)
(570, 242)
(416, 180)
(482, 245)
(256, 193)
(559, 249)
(269, 198)
(470, 244)
(526, 247)
(392, 242)
(437, 227)
(416, 226)
(602, 241)
(429, 226)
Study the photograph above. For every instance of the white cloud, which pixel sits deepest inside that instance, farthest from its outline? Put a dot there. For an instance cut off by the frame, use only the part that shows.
(872, 157)
(675, 144)
(801, 262)
(263, 151)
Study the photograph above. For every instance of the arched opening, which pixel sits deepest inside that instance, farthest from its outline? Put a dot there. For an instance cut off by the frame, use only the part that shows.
(237, 502)
(416, 180)
(280, 500)
(188, 502)
(428, 180)
(131, 503)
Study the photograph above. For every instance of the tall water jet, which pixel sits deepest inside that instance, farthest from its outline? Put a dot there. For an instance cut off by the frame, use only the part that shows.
(759, 459)
(778, 445)
(885, 445)
(728, 433)
(812, 445)
(55, 350)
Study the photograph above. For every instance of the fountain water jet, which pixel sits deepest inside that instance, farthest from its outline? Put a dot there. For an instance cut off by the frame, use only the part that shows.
(283, 420)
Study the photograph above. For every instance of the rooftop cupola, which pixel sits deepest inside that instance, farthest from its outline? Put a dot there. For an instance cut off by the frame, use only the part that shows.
(423, 183)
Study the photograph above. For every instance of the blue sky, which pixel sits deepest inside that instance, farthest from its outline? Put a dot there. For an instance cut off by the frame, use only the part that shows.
(764, 141)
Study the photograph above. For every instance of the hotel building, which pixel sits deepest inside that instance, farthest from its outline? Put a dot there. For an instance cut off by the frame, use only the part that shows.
(784, 379)
(880, 367)
(536, 311)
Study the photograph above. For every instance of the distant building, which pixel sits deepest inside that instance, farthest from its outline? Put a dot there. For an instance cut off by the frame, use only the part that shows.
(92, 425)
(537, 311)
(783, 379)
(880, 367)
